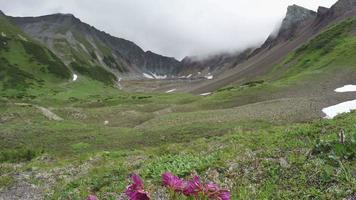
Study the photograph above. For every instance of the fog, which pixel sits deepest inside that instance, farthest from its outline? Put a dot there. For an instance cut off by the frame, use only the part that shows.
(174, 28)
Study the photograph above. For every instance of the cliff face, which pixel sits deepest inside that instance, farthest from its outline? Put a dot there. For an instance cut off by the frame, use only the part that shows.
(295, 17)
(75, 41)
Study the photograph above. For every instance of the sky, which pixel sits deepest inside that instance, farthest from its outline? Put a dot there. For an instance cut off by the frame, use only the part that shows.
(175, 28)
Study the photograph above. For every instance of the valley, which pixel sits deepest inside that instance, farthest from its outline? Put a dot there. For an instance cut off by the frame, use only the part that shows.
(81, 110)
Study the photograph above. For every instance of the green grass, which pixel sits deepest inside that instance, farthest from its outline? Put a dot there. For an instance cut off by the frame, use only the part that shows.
(246, 159)
(256, 150)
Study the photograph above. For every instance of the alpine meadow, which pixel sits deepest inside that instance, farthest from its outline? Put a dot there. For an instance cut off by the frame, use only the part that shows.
(85, 115)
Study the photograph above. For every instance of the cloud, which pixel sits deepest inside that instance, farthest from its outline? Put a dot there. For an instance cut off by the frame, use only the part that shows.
(173, 27)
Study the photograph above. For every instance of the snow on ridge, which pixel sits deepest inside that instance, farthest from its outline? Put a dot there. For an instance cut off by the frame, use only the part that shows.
(344, 107)
(346, 88)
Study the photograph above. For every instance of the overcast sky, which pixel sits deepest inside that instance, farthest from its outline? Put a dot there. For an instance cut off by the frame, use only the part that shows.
(173, 27)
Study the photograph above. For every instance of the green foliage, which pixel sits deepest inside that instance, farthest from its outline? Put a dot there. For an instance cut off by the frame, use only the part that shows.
(105, 180)
(328, 40)
(47, 58)
(95, 73)
(81, 146)
(6, 181)
(15, 78)
(181, 165)
(18, 155)
(334, 148)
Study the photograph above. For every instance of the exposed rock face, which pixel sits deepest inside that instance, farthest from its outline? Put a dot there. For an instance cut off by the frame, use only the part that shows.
(295, 17)
(339, 11)
(73, 40)
(298, 27)
(322, 11)
(342, 7)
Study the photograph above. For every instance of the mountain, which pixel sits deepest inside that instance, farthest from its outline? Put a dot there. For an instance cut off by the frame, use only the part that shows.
(85, 49)
(257, 132)
(25, 63)
(295, 18)
(300, 26)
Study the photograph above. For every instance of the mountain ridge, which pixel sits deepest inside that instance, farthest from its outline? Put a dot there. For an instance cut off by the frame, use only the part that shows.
(118, 56)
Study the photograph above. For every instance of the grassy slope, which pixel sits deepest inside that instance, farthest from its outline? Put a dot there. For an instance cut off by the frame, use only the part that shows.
(150, 133)
(25, 64)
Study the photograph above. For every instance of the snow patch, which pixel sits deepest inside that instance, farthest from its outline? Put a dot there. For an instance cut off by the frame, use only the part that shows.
(190, 75)
(75, 77)
(209, 77)
(148, 76)
(340, 108)
(170, 91)
(3, 34)
(205, 94)
(22, 38)
(156, 76)
(346, 88)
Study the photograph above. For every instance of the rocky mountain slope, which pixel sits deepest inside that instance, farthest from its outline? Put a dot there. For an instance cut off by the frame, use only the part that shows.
(84, 48)
(298, 28)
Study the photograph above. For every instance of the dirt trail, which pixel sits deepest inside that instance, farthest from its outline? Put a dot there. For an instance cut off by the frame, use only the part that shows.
(46, 112)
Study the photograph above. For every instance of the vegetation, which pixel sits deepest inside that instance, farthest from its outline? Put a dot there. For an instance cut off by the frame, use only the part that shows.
(257, 151)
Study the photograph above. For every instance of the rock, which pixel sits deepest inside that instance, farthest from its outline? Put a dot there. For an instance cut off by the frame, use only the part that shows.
(284, 163)
(322, 11)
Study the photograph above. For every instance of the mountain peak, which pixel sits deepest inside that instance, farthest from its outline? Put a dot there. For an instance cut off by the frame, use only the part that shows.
(294, 17)
(322, 10)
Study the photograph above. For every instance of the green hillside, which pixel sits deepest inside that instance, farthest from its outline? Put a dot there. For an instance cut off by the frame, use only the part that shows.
(26, 65)
(263, 139)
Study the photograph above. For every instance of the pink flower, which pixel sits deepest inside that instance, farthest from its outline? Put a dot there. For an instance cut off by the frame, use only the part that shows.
(136, 191)
(214, 192)
(92, 197)
(173, 182)
(211, 188)
(224, 195)
(193, 187)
